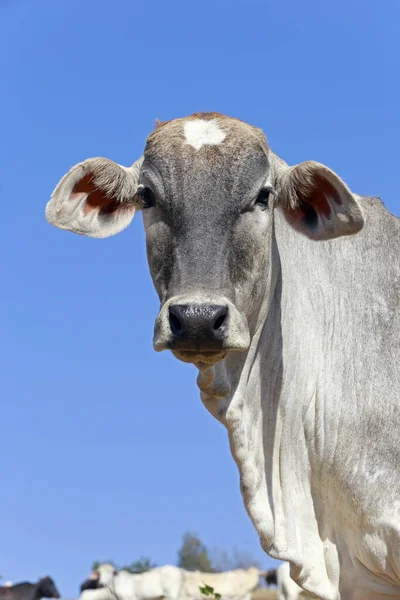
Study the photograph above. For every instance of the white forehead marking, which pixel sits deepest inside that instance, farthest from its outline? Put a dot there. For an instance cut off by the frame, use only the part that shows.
(199, 132)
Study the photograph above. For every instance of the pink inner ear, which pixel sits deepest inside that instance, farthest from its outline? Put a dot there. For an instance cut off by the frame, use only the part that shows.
(316, 195)
(96, 199)
(319, 203)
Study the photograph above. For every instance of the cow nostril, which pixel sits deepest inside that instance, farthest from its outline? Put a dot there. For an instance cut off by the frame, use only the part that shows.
(196, 324)
(219, 322)
(175, 324)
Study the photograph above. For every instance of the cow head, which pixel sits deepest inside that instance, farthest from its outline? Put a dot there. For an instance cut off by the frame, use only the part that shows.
(92, 582)
(104, 574)
(47, 589)
(207, 186)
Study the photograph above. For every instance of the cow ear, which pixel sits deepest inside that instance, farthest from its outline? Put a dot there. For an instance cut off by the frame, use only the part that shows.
(316, 202)
(96, 198)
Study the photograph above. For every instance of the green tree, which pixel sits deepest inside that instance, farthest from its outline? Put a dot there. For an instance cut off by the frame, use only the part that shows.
(193, 554)
(140, 566)
(225, 561)
(97, 563)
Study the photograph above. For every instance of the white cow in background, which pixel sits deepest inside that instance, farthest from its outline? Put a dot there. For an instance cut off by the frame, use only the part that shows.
(168, 583)
(105, 583)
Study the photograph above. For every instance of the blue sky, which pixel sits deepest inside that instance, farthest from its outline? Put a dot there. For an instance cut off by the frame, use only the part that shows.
(105, 447)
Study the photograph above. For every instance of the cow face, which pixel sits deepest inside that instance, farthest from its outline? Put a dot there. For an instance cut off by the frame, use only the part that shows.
(100, 577)
(207, 186)
(92, 582)
(47, 588)
(205, 189)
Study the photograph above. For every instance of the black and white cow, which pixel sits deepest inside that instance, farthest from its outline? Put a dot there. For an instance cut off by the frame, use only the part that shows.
(44, 588)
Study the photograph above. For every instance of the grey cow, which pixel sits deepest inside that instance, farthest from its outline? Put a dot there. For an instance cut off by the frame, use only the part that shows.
(295, 333)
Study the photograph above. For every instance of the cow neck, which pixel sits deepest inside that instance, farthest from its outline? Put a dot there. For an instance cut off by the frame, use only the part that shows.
(250, 394)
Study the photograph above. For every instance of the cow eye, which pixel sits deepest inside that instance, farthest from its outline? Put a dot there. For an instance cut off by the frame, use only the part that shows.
(146, 196)
(263, 198)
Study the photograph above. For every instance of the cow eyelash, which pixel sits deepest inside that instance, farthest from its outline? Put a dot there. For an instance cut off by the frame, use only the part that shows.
(146, 196)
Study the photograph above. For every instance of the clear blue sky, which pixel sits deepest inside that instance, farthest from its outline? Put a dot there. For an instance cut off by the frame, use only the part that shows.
(105, 447)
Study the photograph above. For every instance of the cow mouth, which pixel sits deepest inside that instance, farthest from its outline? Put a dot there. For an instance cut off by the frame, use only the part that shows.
(208, 357)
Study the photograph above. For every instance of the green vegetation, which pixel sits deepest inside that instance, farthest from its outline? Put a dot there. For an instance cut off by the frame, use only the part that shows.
(209, 592)
(193, 555)
(139, 566)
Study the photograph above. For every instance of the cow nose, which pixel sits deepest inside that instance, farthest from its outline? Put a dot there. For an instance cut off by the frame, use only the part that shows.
(198, 325)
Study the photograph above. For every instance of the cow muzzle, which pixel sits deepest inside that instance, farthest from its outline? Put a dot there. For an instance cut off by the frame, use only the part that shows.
(200, 330)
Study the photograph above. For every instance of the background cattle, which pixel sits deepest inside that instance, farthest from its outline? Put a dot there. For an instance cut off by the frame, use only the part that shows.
(169, 582)
(105, 583)
(44, 588)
